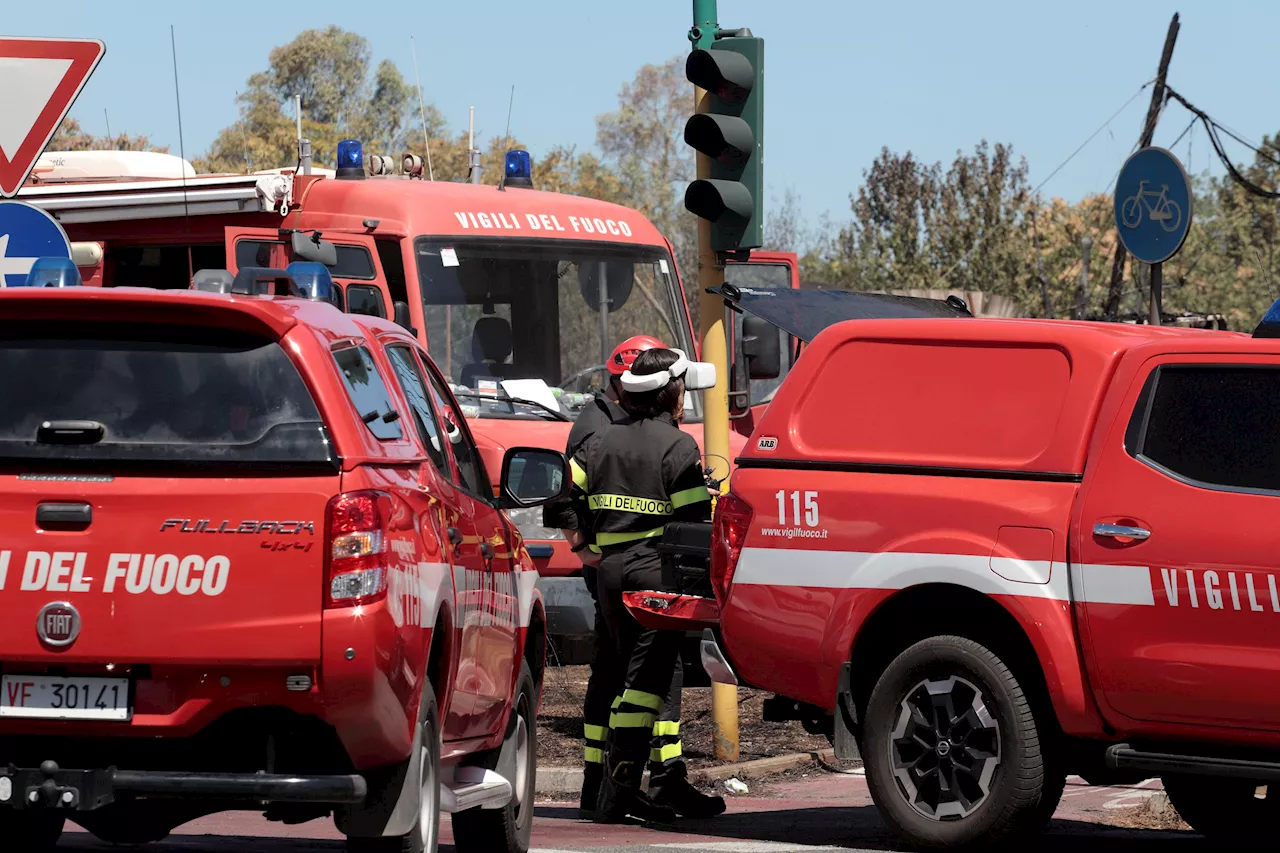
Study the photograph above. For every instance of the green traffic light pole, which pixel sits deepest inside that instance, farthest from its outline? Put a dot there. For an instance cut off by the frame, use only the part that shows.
(715, 424)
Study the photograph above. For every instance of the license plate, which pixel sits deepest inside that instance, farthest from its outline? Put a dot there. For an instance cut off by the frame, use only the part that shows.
(53, 698)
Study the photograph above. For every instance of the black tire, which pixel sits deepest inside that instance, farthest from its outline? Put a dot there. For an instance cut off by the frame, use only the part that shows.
(990, 752)
(1225, 810)
(30, 831)
(507, 830)
(425, 837)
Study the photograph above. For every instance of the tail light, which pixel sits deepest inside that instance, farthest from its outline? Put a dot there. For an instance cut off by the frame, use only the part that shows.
(728, 533)
(356, 534)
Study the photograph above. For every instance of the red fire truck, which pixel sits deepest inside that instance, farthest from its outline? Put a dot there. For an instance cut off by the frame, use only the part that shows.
(519, 295)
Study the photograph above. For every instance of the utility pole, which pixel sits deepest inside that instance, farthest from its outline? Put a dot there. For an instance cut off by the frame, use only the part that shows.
(1045, 295)
(1116, 289)
(715, 424)
(1082, 290)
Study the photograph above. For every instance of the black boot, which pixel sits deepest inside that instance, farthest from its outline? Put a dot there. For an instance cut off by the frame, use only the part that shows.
(621, 797)
(592, 776)
(674, 791)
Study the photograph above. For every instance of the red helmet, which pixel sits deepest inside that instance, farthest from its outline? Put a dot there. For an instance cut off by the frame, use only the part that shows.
(627, 351)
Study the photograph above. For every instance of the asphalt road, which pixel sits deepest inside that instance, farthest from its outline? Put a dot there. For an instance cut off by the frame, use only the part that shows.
(817, 814)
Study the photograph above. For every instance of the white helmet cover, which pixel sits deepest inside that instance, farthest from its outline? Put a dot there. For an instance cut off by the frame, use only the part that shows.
(697, 375)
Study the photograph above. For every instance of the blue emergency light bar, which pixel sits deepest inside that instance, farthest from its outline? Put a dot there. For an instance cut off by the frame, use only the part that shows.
(313, 279)
(350, 160)
(519, 169)
(53, 272)
(1270, 325)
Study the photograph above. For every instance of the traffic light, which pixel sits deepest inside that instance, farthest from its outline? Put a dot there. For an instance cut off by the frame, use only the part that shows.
(729, 128)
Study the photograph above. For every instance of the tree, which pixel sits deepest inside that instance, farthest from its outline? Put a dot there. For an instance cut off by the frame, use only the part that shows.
(329, 70)
(918, 226)
(784, 226)
(643, 143)
(71, 137)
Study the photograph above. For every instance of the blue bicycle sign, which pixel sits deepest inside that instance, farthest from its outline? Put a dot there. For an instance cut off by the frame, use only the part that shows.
(1158, 208)
(1153, 205)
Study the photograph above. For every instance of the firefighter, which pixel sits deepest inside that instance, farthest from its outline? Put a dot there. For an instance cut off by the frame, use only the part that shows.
(604, 682)
(629, 480)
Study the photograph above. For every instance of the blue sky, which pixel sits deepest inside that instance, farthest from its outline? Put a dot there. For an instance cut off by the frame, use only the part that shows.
(843, 77)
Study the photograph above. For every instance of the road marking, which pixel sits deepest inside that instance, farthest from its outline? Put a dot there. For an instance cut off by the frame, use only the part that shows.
(1139, 792)
(748, 847)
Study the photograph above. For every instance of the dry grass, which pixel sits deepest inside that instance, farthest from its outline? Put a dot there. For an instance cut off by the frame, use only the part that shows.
(560, 724)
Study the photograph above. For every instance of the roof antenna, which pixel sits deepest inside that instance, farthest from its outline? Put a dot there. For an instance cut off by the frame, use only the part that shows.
(502, 182)
(426, 137)
(304, 145)
(108, 118)
(182, 150)
(473, 153)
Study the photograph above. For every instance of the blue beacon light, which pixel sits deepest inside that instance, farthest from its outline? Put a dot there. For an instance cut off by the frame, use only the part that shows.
(350, 160)
(313, 279)
(519, 169)
(53, 272)
(1270, 325)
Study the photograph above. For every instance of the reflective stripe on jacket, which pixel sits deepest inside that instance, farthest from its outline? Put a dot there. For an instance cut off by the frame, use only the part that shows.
(634, 476)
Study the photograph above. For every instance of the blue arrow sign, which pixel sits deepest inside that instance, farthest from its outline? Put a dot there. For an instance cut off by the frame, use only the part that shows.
(1153, 205)
(27, 233)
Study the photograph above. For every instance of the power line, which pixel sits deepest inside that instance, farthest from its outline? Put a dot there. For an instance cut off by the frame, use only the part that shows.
(965, 258)
(1211, 129)
(1185, 130)
(1101, 128)
(1246, 143)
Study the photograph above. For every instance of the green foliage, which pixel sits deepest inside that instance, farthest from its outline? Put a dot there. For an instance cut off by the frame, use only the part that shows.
(341, 98)
(972, 224)
(976, 226)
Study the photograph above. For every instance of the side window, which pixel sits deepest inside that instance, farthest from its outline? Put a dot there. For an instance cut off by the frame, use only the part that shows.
(393, 268)
(470, 465)
(367, 391)
(406, 370)
(362, 299)
(353, 261)
(1215, 426)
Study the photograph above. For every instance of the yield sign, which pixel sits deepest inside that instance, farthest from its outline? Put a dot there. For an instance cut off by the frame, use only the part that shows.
(39, 81)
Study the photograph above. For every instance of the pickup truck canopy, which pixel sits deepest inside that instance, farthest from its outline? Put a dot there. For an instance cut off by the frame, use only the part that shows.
(805, 313)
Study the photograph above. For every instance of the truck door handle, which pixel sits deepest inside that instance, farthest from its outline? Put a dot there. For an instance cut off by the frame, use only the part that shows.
(64, 516)
(455, 537)
(1120, 531)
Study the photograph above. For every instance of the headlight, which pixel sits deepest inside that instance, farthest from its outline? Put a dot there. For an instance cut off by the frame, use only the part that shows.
(529, 520)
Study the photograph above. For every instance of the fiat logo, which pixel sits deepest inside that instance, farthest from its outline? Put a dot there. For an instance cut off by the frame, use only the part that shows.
(58, 624)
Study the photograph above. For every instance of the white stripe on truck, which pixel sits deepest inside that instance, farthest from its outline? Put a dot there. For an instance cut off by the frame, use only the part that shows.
(826, 569)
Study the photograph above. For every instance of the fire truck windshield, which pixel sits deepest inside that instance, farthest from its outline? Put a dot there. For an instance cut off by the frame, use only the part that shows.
(549, 310)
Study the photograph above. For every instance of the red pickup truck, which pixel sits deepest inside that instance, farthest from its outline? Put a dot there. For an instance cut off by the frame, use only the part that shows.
(986, 554)
(253, 561)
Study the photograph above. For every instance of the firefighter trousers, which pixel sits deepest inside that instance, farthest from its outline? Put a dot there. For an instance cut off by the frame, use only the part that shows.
(644, 709)
(604, 688)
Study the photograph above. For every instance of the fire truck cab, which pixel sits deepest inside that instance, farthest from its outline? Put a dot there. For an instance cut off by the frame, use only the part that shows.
(519, 295)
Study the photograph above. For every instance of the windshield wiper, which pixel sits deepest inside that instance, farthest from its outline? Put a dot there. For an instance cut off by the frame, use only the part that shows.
(513, 402)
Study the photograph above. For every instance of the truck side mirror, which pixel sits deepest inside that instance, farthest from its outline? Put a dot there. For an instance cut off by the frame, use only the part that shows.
(756, 354)
(761, 348)
(532, 476)
(402, 318)
(309, 247)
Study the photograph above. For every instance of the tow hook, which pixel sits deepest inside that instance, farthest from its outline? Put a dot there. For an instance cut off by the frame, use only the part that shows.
(49, 793)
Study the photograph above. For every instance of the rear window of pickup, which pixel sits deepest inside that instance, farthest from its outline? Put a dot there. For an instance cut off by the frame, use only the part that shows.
(148, 393)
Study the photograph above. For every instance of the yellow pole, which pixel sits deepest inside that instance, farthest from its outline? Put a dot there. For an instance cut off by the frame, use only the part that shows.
(715, 426)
